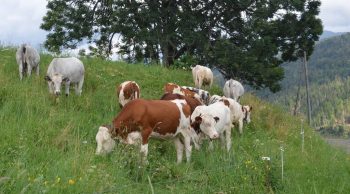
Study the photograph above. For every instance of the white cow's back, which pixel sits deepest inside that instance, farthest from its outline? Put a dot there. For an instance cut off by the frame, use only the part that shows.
(233, 89)
(71, 67)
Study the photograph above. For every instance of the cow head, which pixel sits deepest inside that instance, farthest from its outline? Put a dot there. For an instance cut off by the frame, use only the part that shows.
(206, 124)
(105, 143)
(55, 82)
(246, 111)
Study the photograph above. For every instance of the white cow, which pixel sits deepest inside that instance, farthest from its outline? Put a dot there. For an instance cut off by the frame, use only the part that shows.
(219, 114)
(239, 113)
(233, 89)
(68, 70)
(27, 59)
(202, 76)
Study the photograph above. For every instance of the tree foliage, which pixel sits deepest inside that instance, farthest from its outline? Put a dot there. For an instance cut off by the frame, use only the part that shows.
(245, 39)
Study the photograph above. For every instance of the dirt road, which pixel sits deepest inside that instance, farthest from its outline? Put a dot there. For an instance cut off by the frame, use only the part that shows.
(341, 143)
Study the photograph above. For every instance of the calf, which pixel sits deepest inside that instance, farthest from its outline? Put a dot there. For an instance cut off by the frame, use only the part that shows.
(202, 76)
(127, 91)
(141, 119)
(233, 89)
(27, 59)
(217, 114)
(239, 113)
(68, 70)
(176, 89)
(203, 94)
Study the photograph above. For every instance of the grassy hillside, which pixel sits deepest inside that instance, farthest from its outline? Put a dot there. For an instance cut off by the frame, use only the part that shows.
(48, 146)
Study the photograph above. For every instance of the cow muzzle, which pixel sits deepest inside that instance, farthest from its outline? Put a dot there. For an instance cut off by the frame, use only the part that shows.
(57, 93)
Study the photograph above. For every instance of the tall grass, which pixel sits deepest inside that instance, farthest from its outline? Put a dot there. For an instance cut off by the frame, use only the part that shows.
(47, 145)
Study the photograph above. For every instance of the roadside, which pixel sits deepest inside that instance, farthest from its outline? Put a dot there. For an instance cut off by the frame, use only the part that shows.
(338, 142)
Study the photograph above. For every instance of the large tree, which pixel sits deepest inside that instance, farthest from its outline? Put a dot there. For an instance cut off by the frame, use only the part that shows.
(245, 39)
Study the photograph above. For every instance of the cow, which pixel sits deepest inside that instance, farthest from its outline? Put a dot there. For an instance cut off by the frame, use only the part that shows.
(68, 70)
(203, 94)
(176, 89)
(217, 114)
(233, 89)
(202, 76)
(141, 119)
(127, 91)
(27, 59)
(239, 113)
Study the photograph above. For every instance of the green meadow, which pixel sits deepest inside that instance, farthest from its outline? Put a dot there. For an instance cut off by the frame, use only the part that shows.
(47, 145)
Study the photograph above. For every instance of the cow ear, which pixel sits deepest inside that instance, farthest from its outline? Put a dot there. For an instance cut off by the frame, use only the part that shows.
(216, 119)
(47, 78)
(198, 119)
(250, 108)
(66, 79)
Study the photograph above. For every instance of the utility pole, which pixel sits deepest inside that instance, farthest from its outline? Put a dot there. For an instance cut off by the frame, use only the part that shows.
(307, 90)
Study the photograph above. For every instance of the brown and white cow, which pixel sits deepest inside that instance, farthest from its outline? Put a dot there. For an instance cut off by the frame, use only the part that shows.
(127, 91)
(202, 76)
(141, 119)
(176, 89)
(203, 94)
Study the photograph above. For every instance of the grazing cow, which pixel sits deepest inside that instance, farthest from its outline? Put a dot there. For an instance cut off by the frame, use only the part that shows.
(68, 70)
(27, 59)
(233, 89)
(203, 94)
(202, 76)
(127, 91)
(141, 119)
(176, 89)
(239, 113)
(219, 115)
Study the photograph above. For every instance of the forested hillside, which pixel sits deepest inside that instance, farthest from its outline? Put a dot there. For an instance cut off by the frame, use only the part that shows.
(329, 70)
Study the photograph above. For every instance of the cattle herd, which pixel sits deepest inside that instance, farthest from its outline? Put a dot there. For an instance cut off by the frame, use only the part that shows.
(185, 115)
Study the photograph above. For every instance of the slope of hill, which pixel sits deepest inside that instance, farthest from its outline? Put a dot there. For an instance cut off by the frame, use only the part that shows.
(48, 146)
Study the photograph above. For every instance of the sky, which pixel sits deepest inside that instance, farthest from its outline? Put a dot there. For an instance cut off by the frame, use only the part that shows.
(21, 19)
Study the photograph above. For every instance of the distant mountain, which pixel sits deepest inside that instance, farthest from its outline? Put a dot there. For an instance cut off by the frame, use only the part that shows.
(329, 78)
(328, 34)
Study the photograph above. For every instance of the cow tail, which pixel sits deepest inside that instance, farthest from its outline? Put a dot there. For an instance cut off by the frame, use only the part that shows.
(23, 59)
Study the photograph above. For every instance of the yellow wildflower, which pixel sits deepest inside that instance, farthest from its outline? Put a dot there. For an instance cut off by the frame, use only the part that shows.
(71, 182)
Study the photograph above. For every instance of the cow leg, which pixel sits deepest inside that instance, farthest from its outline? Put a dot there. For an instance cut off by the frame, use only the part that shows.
(240, 126)
(67, 87)
(228, 137)
(146, 132)
(37, 69)
(144, 153)
(20, 68)
(79, 89)
(29, 70)
(188, 147)
(179, 149)
(222, 139)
